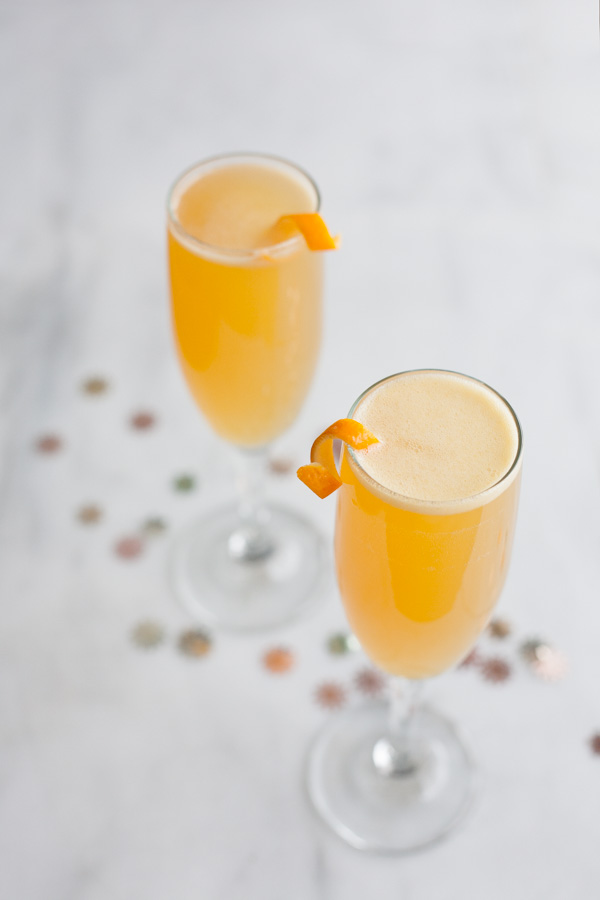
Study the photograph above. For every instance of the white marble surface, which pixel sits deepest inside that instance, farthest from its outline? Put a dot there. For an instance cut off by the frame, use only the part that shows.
(457, 146)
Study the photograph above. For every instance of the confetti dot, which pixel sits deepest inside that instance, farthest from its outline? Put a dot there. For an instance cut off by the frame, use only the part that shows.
(550, 665)
(154, 527)
(48, 444)
(342, 643)
(530, 650)
(148, 634)
(89, 514)
(330, 695)
(280, 466)
(194, 642)
(495, 669)
(369, 681)
(278, 660)
(184, 483)
(471, 659)
(595, 743)
(499, 629)
(129, 547)
(142, 421)
(94, 386)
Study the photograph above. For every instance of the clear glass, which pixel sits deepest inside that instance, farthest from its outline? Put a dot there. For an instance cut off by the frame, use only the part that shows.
(247, 326)
(394, 778)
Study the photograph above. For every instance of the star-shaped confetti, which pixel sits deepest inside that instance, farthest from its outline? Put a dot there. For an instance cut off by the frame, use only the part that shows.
(550, 665)
(89, 514)
(184, 483)
(148, 634)
(94, 386)
(48, 444)
(154, 526)
(194, 642)
(281, 466)
(278, 660)
(330, 695)
(471, 659)
(128, 547)
(370, 682)
(495, 669)
(499, 629)
(342, 643)
(142, 421)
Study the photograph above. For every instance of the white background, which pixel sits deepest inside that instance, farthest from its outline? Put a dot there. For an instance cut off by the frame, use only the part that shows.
(457, 147)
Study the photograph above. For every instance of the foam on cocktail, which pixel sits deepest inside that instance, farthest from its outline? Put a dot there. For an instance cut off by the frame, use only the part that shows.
(442, 436)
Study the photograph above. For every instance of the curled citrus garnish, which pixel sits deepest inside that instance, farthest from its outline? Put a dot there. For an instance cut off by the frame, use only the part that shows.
(314, 230)
(321, 475)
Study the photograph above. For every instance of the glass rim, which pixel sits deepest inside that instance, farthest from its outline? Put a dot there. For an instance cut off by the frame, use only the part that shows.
(439, 504)
(211, 249)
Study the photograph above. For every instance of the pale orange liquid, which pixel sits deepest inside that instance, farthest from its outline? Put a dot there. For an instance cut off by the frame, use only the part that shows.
(420, 576)
(246, 310)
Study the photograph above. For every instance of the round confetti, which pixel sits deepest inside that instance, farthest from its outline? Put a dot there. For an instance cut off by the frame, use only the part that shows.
(184, 483)
(530, 650)
(129, 547)
(148, 634)
(48, 444)
(471, 659)
(369, 681)
(280, 466)
(142, 421)
(595, 743)
(495, 669)
(94, 386)
(550, 665)
(342, 643)
(153, 527)
(89, 514)
(278, 660)
(194, 642)
(330, 695)
(499, 629)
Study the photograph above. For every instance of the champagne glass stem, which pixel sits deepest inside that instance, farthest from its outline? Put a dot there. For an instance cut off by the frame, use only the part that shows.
(252, 539)
(393, 754)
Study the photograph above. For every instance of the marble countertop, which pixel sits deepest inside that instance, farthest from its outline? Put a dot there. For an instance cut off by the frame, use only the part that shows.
(456, 147)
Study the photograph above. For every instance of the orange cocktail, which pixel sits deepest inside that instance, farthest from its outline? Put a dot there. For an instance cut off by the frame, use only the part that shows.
(422, 544)
(246, 294)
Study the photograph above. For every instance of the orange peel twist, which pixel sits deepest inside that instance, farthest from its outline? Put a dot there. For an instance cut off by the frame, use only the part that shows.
(314, 231)
(321, 474)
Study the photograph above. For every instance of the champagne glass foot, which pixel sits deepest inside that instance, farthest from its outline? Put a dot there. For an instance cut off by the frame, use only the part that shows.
(238, 581)
(396, 812)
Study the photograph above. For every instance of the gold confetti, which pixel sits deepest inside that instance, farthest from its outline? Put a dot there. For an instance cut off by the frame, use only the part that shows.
(184, 483)
(369, 681)
(281, 466)
(471, 659)
(550, 665)
(495, 669)
(278, 660)
(148, 634)
(89, 514)
(595, 743)
(128, 547)
(94, 386)
(154, 526)
(342, 643)
(499, 629)
(142, 421)
(330, 695)
(48, 444)
(195, 643)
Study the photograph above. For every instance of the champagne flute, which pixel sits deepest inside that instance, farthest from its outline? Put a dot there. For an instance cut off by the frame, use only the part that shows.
(424, 528)
(246, 301)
